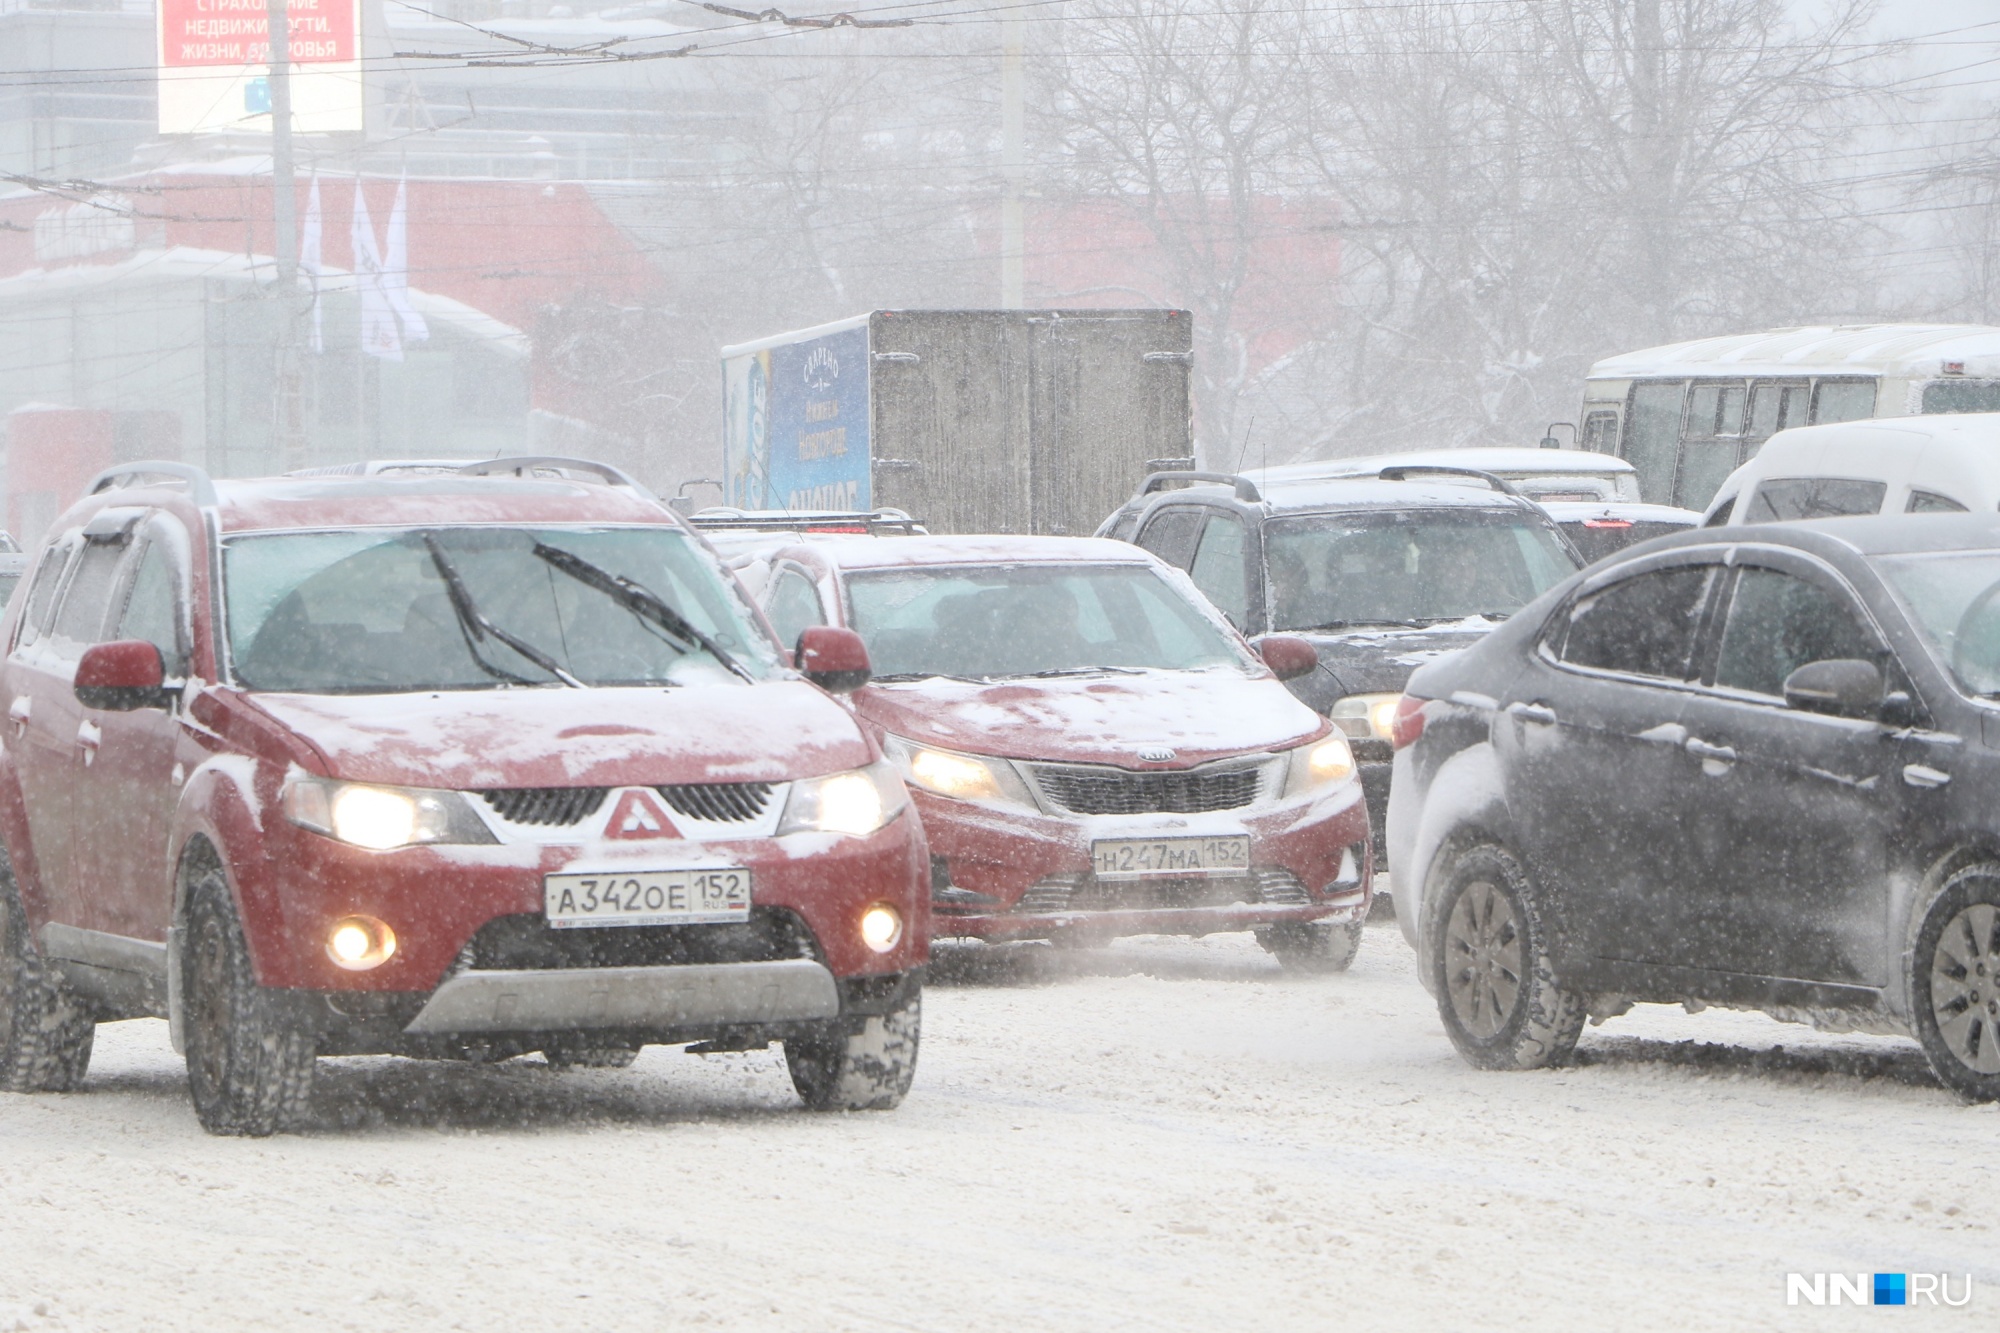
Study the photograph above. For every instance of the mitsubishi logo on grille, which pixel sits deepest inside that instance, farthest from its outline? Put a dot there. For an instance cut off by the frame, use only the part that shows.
(639, 815)
(1157, 754)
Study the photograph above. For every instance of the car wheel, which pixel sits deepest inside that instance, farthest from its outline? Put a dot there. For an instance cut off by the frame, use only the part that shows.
(45, 1032)
(1501, 1004)
(869, 1070)
(1312, 946)
(249, 1065)
(1955, 983)
(580, 1056)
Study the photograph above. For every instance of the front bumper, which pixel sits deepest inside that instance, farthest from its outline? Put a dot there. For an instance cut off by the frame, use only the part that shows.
(1012, 873)
(651, 998)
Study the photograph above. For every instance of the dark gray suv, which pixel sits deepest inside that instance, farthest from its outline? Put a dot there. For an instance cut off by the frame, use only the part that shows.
(1381, 574)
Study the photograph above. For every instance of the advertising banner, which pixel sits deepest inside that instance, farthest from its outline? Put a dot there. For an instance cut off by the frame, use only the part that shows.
(796, 433)
(214, 65)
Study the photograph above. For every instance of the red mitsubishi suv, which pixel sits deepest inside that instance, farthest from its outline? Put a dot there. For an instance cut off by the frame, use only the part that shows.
(452, 765)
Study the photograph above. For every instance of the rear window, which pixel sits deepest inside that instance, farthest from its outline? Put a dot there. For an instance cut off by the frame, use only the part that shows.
(1783, 499)
(1962, 396)
(1599, 537)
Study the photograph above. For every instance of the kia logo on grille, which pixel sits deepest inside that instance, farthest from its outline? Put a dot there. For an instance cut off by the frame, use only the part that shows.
(1157, 754)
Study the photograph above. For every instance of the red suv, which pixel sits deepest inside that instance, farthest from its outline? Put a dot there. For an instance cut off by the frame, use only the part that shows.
(451, 766)
(1094, 751)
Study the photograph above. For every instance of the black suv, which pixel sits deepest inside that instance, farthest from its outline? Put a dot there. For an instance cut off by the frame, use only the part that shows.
(1381, 574)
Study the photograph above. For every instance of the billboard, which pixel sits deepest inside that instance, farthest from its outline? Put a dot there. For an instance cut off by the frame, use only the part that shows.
(796, 421)
(214, 73)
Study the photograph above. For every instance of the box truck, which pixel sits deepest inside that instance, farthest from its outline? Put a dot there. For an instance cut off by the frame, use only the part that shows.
(1038, 421)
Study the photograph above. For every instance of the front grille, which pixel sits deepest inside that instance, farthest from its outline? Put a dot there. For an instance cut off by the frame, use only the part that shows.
(1087, 893)
(1049, 895)
(1281, 888)
(719, 802)
(545, 805)
(526, 942)
(1101, 791)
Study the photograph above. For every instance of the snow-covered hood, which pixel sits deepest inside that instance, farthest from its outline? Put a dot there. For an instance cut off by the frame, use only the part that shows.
(1200, 715)
(1379, 661)
(476, 739)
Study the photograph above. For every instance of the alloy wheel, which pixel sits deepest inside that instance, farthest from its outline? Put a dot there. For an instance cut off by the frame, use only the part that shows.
(1484, 965)
(1965, 987)
(209, 1004)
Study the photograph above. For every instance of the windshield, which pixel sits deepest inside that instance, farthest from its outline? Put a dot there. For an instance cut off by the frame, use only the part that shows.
(1023, 620)
(1954, 597)
(458, 608)
(1330, 571)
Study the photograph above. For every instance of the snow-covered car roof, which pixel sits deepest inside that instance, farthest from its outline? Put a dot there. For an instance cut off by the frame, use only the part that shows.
(1854, 349)
(865, 553)
(1508, 463)
(404, 500)
(1369, 492)
(1619, 511)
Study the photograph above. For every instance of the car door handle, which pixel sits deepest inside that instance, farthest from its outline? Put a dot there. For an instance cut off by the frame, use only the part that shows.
(1922, 775)
(1702, 750)
(1541, 713)
(88, 737)
(19, 712)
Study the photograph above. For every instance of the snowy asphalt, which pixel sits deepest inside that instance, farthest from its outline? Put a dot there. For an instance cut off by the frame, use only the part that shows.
(1167, 1134)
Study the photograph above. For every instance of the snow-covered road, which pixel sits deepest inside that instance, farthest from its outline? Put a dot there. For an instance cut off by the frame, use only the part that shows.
(1164, 1135)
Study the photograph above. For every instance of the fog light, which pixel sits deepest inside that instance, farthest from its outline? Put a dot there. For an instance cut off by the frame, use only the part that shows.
(881, 927)
(359, 943)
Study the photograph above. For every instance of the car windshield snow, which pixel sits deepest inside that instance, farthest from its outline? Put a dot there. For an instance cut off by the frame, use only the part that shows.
(1027, 620)
(456, 608)
(1332, 571)
(1954, 596)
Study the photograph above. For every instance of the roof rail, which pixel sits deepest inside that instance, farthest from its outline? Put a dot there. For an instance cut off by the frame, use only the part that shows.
(822, 520)
(201, 489)
(522, 465)
(1403, 472)
(1246, 490)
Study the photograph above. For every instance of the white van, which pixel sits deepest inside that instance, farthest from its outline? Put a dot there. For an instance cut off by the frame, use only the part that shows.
(1892, 465)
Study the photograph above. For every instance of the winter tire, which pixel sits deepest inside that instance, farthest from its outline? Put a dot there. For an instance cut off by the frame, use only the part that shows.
(249, 1068)
(1313, 946)
(45, 1032)
(869, 1070)
(1955, 983)
(1501, 1005)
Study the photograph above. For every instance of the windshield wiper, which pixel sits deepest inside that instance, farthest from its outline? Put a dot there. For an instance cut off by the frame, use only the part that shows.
(475, 626)
(640, 600)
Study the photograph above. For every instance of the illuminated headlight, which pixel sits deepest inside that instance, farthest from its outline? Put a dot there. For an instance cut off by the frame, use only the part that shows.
(856, 802)
(1365, 717)
(381, 818)
(962, 777)
(1322, 764)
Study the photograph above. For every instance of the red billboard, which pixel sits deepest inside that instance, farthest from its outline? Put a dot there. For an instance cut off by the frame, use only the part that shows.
(236, 32)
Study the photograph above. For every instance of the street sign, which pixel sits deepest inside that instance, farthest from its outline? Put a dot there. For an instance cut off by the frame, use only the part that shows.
(214, 75)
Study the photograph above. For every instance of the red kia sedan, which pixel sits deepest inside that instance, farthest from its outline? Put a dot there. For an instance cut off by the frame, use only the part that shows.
(456, 765)
(1094, 751)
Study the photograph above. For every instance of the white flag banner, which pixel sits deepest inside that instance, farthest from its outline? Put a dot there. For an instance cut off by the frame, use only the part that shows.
(310, 265)
(379, 334)
(396, 268)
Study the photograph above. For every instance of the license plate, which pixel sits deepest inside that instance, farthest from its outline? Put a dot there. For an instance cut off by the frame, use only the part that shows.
(648, 897)
(1144, 858)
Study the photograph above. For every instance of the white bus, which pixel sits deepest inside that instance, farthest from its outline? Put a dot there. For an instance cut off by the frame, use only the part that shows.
(1689, 414)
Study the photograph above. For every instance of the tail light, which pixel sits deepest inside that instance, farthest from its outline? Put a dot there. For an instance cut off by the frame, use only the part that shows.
(1408, 724)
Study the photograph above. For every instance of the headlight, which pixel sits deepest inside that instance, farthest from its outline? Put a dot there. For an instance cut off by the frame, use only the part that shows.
(856, 802)
(1365, 717)
(1323, 763)
(962, 777)
(382, 818)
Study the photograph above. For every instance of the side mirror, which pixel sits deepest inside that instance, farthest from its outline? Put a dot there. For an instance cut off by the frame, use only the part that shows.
(122, 675)
(1288, 656)
(1840, 686)
(834, 659)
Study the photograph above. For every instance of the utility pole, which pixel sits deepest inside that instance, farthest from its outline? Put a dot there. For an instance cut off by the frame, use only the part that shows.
(287, 421)
(1013, 156)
